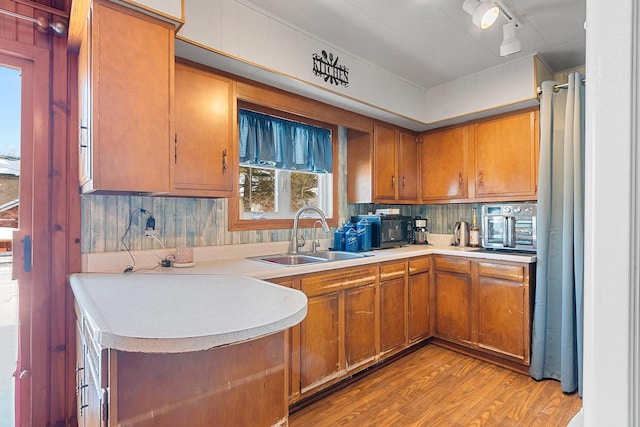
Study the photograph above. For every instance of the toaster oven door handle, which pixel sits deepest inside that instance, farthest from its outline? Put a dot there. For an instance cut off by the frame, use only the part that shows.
(509, 232)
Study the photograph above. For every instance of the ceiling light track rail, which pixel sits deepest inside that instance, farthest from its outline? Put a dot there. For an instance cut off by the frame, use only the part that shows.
(509, 14)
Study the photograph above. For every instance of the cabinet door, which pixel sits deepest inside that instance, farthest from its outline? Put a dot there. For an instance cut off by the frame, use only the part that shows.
(453, 306)
(385, 163)
(392, 314)
(292, 339)
(320, 341)
(407, 168)
(132, 78)
(501, 308)
(89, 397)
(506, 156)
(360, 338)
(419, 310)
(444, 164)
(203, 140)
(84, 108)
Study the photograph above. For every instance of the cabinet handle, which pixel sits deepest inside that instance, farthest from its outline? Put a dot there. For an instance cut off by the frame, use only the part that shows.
(83, 128)
(175, 148)
(403, 182)
(459, 182)
(393, 182)
(224, 160)
(480, 178)
(78, 378)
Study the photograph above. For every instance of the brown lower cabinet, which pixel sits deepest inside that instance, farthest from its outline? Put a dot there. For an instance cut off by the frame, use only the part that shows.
(393, 306)
(360, 316)
(454, 296)
(420, 289)
(215, 387)
(485, 306)
(356, 317)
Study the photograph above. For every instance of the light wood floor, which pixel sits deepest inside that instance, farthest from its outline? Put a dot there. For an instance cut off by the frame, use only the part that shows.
(437, 387)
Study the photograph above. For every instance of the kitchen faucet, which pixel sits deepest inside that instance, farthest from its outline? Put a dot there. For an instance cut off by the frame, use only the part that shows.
(295, 243)
(315, 244)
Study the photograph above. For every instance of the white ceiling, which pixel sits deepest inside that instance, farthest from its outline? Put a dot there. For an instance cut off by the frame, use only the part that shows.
(429, 42)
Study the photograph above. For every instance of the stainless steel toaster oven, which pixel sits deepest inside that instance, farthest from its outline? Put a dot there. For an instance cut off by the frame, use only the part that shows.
(509, 226)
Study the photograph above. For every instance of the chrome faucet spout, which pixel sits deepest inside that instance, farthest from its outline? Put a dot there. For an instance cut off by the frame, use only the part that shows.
(294, 244)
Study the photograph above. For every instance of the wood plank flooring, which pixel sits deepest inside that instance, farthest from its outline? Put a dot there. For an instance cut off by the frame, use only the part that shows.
(434, 386)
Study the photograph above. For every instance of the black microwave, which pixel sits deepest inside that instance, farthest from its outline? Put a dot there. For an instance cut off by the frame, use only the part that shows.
(387, 231)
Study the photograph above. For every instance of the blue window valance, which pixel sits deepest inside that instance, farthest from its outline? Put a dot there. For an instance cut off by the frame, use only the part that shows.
(271, 141)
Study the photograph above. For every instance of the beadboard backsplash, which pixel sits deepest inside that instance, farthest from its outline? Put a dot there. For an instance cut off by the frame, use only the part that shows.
(203, 222)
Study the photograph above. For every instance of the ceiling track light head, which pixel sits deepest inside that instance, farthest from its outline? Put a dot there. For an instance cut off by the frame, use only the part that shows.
(483, 14)
(510, 42)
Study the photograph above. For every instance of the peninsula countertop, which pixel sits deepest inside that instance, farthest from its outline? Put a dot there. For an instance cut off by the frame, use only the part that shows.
(174, 313)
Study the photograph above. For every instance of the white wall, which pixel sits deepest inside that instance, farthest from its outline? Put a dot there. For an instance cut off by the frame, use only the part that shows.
(259, 41)
(514, 82)
(609, 212)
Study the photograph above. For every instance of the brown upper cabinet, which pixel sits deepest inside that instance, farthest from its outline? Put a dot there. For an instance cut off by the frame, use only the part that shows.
(506, 157)
(445, 164)
(126, 81)
(382, 169)
(205, 158)
(488, 160)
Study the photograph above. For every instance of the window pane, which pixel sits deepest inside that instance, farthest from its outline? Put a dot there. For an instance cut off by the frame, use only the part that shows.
(304, 190)
(276, 193)
(257, 190)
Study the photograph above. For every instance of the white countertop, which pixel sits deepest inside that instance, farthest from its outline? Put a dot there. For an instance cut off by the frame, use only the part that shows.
(173, 313)
(216, 302)
(266, 270)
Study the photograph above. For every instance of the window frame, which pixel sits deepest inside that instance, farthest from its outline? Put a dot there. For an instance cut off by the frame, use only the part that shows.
(236, 223)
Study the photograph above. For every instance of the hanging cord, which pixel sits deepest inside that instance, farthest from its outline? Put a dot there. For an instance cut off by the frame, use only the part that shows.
(130, 267)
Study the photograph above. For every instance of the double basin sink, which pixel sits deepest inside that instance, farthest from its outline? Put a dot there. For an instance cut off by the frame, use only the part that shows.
(308, 258)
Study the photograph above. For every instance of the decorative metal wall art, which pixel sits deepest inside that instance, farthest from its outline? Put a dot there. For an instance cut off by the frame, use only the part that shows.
(327, 67)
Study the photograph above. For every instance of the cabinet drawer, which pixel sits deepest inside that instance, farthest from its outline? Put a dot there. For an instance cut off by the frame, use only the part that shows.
(338, 280)
(452, 264)
(97, 361)
(419, 265)
(392, 270)
(501, 271)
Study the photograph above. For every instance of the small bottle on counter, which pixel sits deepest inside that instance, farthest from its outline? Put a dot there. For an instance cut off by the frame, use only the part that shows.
(474, 231)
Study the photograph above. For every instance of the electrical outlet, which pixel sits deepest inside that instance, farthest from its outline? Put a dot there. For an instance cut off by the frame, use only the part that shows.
(151, 232)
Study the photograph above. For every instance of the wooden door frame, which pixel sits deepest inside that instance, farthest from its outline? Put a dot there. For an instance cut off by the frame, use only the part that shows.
(34, 310)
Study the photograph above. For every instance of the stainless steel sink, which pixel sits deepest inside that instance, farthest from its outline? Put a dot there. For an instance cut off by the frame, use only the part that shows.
(337, 255)
(308, 258)
(285, 259)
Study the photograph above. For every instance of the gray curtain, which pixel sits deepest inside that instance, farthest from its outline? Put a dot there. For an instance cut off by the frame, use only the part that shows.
(556, 349)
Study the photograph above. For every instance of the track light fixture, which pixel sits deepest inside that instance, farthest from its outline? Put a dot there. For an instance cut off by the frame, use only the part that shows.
(482, 14)
(510, 43)
(485, 12)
